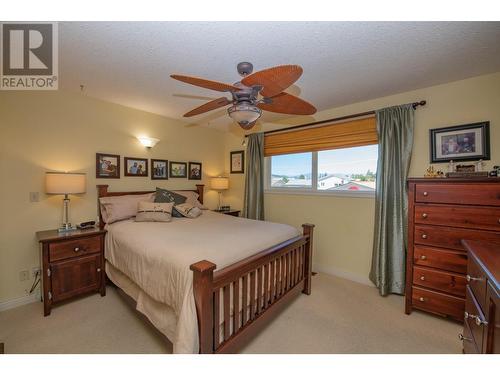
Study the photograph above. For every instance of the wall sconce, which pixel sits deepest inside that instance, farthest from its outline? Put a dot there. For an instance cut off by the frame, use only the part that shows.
(148, 142)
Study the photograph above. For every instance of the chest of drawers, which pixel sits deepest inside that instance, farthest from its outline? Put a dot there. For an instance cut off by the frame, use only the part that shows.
(442, 213)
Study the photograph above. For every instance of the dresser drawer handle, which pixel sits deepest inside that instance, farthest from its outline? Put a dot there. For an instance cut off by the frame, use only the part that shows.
(98, 270)
(424, 215)
(422, 278)
(463, 338)
(425, 193)
(421, 299)
(424, 236)
(423, 257)
(479, 321)
(470, 278)
(76, 249)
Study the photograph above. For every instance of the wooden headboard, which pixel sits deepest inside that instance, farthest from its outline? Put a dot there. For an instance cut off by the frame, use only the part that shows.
(102, 191)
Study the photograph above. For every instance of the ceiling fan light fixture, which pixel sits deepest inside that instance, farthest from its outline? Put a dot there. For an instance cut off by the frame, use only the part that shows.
(244, 114)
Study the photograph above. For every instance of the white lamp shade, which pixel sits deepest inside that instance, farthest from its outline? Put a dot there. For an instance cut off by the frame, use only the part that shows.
(65, 183)
(219, 183)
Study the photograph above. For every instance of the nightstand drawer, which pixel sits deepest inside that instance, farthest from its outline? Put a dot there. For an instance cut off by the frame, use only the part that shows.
(74, 248)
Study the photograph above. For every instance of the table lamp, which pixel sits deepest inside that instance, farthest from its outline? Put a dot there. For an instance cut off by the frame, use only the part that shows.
(65, 184)
(219, 183)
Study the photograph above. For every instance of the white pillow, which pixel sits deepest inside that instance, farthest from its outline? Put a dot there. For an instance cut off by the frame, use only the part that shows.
(152, 211)
(192, 198)
(122, 207)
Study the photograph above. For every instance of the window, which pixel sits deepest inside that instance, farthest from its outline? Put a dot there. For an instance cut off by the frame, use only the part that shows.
(292, 170)
(351, 169)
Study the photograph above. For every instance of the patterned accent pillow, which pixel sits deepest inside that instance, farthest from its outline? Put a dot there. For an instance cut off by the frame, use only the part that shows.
(188, 210)
(151, 211)
(167, 196)
(191, 198)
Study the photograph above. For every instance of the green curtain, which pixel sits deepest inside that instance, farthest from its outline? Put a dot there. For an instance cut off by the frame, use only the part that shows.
(395, 134)
(254, 178)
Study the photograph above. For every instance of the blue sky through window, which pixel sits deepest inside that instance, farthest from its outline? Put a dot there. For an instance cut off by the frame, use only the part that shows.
(292, 164)
(354, 160)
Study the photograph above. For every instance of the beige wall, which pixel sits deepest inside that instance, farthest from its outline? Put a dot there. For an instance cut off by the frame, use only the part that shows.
(62, 131)
(344, 226)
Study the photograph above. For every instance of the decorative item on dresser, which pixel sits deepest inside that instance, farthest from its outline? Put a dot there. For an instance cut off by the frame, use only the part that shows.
(441, 213)
(482, 303)
(72, 264)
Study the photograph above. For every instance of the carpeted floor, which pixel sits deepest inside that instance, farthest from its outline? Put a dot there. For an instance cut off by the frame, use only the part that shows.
(339, 317)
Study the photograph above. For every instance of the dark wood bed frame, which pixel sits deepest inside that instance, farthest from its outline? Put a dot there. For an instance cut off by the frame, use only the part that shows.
(267, 281)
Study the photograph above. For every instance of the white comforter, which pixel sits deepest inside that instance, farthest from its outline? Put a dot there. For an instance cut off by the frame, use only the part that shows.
(157, 256)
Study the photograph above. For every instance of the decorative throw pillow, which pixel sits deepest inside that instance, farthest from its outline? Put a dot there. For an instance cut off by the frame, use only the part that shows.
(121, 207)
(191, 198)
(188, 210)
(151, 211)
(167, 196)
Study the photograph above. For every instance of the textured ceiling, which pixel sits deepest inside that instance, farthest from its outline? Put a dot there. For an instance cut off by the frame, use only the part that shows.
(344, 62)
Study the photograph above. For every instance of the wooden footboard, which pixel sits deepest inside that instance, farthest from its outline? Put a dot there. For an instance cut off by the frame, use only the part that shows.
(235, 302)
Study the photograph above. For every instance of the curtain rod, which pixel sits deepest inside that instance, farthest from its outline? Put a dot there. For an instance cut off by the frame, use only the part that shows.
(415, 105)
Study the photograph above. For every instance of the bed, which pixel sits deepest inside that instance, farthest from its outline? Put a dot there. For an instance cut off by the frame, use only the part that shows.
(211, 283)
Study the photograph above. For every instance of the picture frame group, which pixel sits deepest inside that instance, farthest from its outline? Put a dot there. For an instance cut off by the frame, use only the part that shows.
(108, 166)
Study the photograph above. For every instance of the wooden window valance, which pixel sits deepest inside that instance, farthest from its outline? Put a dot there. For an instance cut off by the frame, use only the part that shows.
(359, 132)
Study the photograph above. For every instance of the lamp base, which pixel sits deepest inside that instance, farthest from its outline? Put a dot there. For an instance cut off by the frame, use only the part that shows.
(66, 228)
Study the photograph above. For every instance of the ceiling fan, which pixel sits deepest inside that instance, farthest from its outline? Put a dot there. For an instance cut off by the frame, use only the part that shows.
(255, 92)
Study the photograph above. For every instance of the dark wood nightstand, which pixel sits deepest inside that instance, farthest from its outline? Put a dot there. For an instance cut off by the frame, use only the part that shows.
(229, 212)
(72, 264)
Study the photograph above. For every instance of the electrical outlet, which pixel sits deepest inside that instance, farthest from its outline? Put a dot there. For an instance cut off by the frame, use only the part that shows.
(34, 196)
(35, 271)
(24, 275)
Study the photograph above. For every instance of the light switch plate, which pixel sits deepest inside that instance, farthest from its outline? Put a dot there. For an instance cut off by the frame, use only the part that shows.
(34, 196)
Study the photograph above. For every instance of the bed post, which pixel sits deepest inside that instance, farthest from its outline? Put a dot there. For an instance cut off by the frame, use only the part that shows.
(203, 276)
(200, 188)
(102, 191)
(308, 230)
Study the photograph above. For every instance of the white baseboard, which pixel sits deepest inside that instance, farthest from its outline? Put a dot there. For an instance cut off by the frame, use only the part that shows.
(15, 302)
(343, 274)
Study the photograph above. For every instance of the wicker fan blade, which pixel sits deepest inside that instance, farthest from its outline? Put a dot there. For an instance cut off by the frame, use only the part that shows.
(274, 80)
(205, 83)
(289, 104)
(214, 104)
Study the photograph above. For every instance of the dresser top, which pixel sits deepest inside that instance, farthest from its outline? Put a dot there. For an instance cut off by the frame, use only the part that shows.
(471, 180)
(54, 235)
(488, 255)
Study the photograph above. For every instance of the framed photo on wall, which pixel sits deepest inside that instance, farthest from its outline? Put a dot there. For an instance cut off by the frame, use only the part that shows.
(194, 171)
(462, 142)
(107, 166)
(177, 169)
(237, 161)
(135, 167)
(159, 169)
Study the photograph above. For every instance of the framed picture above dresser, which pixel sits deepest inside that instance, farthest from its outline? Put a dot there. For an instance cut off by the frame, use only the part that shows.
(441, 213)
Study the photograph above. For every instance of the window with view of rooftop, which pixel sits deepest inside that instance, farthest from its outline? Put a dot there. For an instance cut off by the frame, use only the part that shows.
(293, 170)
(350, 169)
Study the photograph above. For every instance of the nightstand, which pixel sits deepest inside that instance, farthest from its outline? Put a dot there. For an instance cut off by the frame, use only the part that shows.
(229, 212)
(72, 264)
